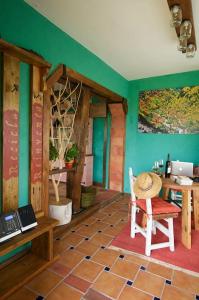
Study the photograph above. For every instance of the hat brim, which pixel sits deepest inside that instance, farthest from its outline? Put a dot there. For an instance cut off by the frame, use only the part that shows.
(154, 190)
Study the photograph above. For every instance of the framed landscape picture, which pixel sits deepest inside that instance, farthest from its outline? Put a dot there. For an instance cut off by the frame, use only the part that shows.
(169, 111)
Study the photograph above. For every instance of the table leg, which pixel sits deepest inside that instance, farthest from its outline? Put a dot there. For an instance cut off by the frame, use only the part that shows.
(186, 218)
(165, 193)
(196, 208)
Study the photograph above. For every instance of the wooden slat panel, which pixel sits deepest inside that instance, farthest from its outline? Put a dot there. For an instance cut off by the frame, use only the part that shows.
(10, 132)
(36, 138)
(81, 130)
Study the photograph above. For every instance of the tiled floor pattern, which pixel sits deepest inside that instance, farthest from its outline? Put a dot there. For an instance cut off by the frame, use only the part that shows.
(88, 270)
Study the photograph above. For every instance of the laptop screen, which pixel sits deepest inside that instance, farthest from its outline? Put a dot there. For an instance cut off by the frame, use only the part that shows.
(182, 168)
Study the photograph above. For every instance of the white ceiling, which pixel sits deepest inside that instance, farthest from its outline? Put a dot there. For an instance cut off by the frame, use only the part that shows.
(134, 37)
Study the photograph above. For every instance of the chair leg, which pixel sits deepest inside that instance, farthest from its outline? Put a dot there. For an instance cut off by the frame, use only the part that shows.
(133, 220)
(154, 227)
(171, 234)
(148, 236)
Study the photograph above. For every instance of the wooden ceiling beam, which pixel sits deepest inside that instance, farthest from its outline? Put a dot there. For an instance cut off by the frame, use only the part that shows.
(187, 14)
(23, 55)
(94, 86)
(62, 72)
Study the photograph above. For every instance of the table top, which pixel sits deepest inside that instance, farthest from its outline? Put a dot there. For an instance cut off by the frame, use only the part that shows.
(168, 183)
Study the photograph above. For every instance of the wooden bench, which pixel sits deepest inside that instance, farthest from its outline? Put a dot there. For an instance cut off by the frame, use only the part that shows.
(38, 257)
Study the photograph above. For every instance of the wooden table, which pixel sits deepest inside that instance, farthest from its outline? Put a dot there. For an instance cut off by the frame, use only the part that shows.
(186, 190)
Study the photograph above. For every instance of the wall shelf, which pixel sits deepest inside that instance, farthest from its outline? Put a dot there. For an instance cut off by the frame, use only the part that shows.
(63, 170)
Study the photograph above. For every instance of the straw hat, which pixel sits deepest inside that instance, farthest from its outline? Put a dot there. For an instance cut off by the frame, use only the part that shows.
(147, 185)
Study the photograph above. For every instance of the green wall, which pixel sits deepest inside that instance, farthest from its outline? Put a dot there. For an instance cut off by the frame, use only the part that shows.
(143, 149)
(98, 149)
(23, 26)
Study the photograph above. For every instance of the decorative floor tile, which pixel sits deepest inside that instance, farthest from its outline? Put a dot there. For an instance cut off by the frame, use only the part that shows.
(60, 246)
(43, 283)
(77, 283)
(105, 257)
(160, 270)
(71, 258)
(60, 269)
(94, 295)
(109, 284)
(86, 231)
(101, 239)
(136, 259)
(129, 282)
(87, 270)
(89, 220)
(87, 247)
(185, 281)
(131, 293)
(149, 283)
(63, 292)
(125, 269)
(172, 293)
(73, 239)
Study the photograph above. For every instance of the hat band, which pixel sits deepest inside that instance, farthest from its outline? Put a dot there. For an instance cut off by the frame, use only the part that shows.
(149, 187)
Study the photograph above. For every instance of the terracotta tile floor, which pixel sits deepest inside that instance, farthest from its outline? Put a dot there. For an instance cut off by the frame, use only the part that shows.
(88, 270)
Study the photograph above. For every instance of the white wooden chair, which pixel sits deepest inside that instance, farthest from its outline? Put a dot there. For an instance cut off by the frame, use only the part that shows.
(155, 209)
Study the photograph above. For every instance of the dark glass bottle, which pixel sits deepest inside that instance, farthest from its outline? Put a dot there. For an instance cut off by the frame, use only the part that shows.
(168, 167)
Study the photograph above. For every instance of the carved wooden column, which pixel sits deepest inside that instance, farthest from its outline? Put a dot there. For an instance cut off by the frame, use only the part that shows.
(117, 147)
(10, 143)
(81, 131)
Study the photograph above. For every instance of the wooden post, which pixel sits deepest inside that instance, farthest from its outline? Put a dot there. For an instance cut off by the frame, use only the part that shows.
(196, 208)
(36, 138)
(117, 147)
(10, 132)
(186, 218)
(81, 131)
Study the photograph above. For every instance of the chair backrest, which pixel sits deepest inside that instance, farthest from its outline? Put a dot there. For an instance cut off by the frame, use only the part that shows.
(131, 182)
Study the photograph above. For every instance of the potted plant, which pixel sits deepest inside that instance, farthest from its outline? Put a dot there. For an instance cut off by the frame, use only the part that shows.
(71, 155)
(53, 154)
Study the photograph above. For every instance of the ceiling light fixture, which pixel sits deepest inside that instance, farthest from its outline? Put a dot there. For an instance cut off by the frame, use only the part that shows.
(182, 21)
(176, 15)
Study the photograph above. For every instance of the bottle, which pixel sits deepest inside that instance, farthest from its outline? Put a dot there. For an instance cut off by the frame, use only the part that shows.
(168, 167)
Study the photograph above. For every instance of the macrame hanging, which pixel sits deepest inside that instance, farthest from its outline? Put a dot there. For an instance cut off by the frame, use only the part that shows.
(64, 105)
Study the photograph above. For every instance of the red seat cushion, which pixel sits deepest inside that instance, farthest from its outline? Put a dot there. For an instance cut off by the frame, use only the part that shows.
(159, 206)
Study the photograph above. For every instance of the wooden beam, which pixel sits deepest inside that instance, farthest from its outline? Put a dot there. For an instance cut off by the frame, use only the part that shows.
(10, 132)
(187, 14)
(98, 110)
(81, 131)
(95, 87)
(55, 76)
(36, 140)
(23, 55)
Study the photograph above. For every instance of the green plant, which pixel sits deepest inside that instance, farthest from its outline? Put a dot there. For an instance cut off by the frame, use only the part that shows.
(53, 153)
(71, 153)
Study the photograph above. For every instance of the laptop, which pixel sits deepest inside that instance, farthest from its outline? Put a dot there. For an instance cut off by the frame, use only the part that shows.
(182, 168)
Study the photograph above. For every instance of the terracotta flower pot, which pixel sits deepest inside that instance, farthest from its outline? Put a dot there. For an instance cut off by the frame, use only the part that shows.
(69, 164)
